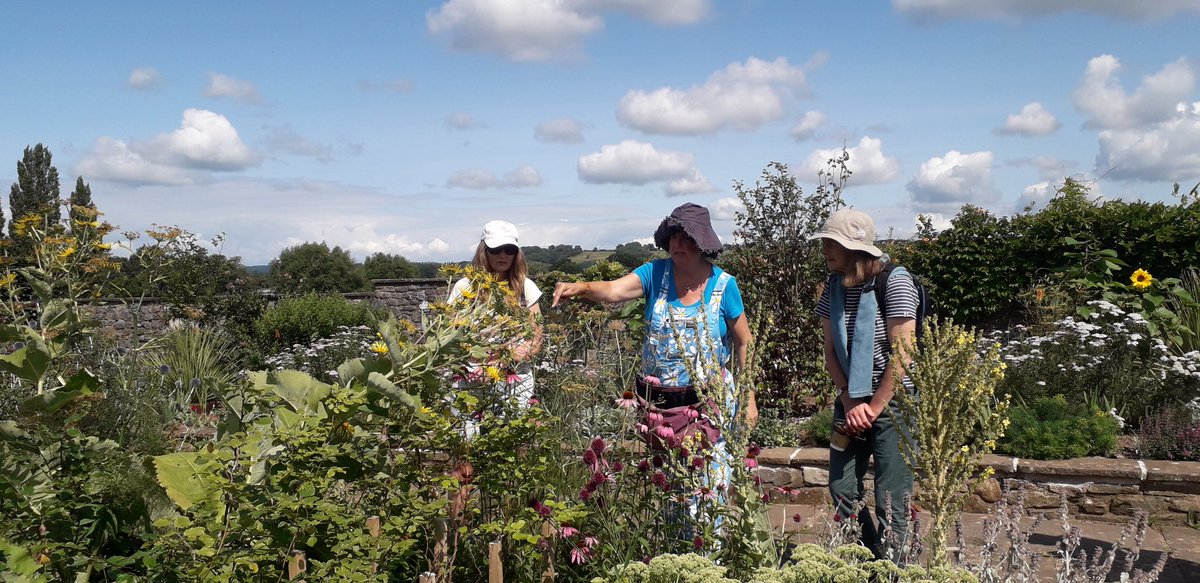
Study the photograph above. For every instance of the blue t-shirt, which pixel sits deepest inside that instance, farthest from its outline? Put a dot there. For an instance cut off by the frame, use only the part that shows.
(651, 275)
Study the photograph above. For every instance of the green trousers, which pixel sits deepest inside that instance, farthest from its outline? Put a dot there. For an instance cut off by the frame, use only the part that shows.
(893, 485)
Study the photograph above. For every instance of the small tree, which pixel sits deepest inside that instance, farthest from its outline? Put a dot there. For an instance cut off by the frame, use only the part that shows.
(36, 192)
(780, 272)
(388, 266)
(315, 268)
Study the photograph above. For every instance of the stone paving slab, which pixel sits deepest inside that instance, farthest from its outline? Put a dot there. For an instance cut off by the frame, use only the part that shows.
(806, 523)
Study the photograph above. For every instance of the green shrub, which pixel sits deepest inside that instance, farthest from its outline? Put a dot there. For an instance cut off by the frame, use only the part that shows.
(302, 319)
(1053, 428)
(818, 429)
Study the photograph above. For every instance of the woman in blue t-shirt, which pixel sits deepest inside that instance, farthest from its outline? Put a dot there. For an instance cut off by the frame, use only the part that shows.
(696, 328)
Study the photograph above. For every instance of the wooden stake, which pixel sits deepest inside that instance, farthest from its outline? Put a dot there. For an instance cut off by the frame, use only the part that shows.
(374, 527)
(548, 575)
(297, 565)
(427, 577)
(495, 566)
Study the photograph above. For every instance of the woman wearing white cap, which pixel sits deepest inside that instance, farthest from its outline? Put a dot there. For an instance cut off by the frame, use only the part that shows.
(861, 350)
(499, 254)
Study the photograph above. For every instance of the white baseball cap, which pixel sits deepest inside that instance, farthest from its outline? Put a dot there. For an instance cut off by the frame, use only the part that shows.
(498, 234)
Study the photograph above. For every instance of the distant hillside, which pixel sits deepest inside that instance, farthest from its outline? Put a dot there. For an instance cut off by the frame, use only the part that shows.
(258, 269)
(591, 256)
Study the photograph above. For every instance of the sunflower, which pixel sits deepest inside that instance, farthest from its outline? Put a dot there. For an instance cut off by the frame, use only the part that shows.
(1141, 279)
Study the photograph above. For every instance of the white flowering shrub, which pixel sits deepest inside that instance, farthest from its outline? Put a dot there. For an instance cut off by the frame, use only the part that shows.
(321, 358)
(1108, 360)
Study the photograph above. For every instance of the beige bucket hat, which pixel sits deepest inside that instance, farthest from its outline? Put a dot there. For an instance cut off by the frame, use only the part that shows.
(852, 229)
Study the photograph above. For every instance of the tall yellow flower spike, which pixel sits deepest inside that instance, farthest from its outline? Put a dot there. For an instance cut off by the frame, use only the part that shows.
(1141, 279)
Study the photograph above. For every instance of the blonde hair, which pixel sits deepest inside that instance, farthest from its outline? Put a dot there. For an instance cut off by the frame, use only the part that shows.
(515, 276)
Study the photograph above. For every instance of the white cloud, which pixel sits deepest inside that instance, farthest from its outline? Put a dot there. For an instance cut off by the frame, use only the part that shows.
(461, 122)
(938, 221)
(742, 97)
(1025, 9)
(695, 183)
(1169, 151)
(559, 130)
(633, 162)
(394, 86)
(1037, 194)
(523, 177)
(144, 78)
(285, 140)
(658, 11)
(1107, 105)
(1033, 120)
(518, 30)
(867, 162)
(205, 141)
(726, 209)
(946, 183)
(545, 30)
(806, 128)
(221, 86)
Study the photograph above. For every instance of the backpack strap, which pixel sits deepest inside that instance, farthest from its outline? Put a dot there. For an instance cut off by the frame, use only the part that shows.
(879, 284)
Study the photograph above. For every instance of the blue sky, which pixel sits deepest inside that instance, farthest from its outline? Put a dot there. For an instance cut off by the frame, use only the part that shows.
(403, 126)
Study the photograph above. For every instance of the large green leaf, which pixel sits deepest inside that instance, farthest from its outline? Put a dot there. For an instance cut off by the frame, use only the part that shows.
(300, 391)
(381, 384)
(28, 363)
(358, 369)
(183, 479)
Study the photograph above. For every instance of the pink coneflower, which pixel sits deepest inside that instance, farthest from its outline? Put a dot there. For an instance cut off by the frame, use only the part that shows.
(618, 466)
(533, 401)
(705, 493)
(692, 413)
(579, 555)
(697, 462)
(787, 490)
(598, 478)
(751, 462)
(589, 541)
(627, 401)
(698, 542)
(641, 428)
(512, 378)
(644, 466)
(567, 531)
(665, 431)
(589, 457)
(545, 511)
(654, 418)
(753, 450)
(585, 494)
(659, 479)
(598, 445)
(653, 381)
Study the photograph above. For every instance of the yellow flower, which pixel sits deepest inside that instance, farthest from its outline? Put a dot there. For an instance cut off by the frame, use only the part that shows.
(103, 246)
(1141, 279)
(990, 444)
(965, 449)
(65, 253)
(493, 373)
(379, 348)
(7, 279)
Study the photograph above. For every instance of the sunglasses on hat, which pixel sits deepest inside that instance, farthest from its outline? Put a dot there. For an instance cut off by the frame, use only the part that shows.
(505, 249)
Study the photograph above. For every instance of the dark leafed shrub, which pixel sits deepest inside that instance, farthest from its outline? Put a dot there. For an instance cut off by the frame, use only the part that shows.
(1170, 433)
(1053, 428)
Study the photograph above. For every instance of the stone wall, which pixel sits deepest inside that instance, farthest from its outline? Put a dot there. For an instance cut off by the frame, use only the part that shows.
(132, 321)
(407, 297)
(1097, 488)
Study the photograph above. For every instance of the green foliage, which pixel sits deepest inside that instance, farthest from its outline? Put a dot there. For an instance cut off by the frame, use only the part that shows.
(634, 254)
(300, 320)
(980, 267)
(36, 192)
(388, 266)
(952, 424)
(668, 568)
(1187, 313)
(1054, 428)
(199, 362)
(315, 268)
(780, 271)
(774, 430)
(819, 428)
(552, 255)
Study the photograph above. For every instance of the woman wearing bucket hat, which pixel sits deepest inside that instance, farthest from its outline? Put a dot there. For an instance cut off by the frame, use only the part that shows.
(860, 353)
(499, 255)
(696, 333)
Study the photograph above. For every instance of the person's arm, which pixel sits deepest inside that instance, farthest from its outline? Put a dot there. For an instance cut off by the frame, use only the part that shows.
(902, 333)
(624, 289)
(740, 337)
